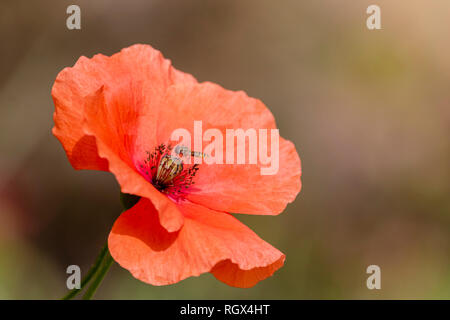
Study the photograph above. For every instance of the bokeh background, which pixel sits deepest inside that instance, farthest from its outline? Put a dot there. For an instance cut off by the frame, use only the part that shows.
(369, 112)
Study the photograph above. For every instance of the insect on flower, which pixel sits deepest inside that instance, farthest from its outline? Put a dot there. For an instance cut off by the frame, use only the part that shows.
(182, 151)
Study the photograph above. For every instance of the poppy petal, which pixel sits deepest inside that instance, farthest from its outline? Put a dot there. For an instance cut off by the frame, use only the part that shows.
(114, 129)
(242, 188)
(209, 241)
(138, 64)
(239, 188)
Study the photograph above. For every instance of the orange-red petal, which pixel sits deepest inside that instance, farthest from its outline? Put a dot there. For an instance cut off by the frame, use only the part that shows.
(231, 187)
(105, 117)
(209, 241)
(137, 64)
(116, 130)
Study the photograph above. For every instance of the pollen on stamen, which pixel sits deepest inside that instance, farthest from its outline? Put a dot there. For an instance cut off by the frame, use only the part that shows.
(167, 172)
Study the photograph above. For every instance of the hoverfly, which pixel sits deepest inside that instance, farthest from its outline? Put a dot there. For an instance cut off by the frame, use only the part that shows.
(183, 151)
(171, 165)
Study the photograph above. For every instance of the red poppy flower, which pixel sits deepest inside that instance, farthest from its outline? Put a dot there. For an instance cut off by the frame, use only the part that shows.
(117, 114)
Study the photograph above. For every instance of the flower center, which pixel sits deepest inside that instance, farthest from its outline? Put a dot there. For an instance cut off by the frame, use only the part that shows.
(167, 172)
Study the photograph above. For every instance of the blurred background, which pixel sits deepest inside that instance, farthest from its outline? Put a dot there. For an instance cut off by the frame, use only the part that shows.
(369, 113)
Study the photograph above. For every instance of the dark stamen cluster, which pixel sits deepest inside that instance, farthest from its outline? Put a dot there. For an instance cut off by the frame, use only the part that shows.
(167, 172)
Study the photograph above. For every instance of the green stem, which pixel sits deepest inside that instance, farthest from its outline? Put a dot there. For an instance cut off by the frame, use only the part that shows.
(90, 273)
(107, 262)
(103, 261)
